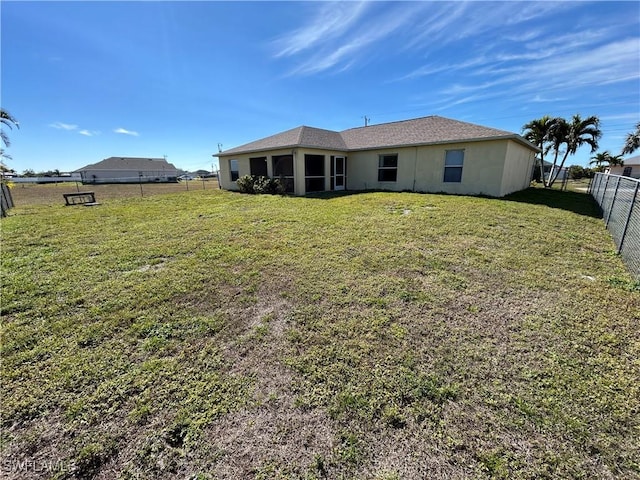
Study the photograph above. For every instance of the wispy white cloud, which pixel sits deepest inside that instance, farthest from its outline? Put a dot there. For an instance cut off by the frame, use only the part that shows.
(631, 117)
(70, 127)
(89, 133)
(433, 68)
(63, 126)
(547, 78)
(126, 132)
(438, 24)
(340, 35)
(608, 64)
(542, 99)
(343, 56)
(344, 45)
(331, 21)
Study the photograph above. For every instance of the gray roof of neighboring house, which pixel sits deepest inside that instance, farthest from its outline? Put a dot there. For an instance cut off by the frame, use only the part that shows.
(632, 160)
(418, 131)
(130, 163)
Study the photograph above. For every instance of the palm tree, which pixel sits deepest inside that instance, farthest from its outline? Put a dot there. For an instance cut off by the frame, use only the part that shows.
(599, 159)
(537, 132)
(632, 142)
(4, 156)
(616, 160)
(573, 135)
(7, 119)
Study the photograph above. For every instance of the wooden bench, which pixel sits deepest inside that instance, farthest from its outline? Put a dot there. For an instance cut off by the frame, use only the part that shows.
(80, 198)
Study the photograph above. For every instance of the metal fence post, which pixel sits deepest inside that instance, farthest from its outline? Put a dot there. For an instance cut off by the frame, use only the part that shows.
(626, 223)
(613, 200)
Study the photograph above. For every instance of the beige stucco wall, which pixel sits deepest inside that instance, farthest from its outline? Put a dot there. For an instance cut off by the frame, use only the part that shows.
(518, 168)
(618, 170)
(422, 169)
(244, 166)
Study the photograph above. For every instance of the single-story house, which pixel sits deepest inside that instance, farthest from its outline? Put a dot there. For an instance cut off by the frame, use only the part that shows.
(429, 154)
(631, 168)
(129, 170)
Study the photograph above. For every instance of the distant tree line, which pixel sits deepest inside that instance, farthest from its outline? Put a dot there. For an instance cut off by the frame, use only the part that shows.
(48, 173)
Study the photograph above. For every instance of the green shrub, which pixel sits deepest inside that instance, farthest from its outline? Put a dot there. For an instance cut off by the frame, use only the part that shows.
(246, 183)
(260, 184)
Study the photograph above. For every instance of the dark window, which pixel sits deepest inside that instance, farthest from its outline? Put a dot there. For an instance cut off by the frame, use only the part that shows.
(387, 168)
(627, 171)
(314, 173)
(282, 165)
(233, 168)
(258, 166)
(314, 184)
(313, 165)
(453, 163)
(283, 170)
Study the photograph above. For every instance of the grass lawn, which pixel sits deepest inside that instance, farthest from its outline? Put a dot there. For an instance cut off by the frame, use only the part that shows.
(209, 334)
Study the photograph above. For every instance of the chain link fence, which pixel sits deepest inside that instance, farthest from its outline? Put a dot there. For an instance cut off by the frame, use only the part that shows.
(619, 199)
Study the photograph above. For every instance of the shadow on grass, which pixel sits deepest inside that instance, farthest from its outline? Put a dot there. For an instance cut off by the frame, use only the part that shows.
(580, 203)
(576, 202)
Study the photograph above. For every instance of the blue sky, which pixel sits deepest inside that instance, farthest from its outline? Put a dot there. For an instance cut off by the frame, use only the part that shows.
(90, 80)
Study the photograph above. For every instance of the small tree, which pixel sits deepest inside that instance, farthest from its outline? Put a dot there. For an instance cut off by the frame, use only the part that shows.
(576, 172)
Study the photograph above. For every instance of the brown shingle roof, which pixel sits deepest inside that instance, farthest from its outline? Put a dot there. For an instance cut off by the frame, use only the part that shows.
(418, 131)
(296, 137)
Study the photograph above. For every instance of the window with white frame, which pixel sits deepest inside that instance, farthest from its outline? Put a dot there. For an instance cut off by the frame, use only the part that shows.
(388, 167)
(453, 162)
(234, 170)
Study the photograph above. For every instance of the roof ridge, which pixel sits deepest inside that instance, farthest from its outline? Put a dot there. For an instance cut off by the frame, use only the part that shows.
(300, 133)
(397, 121)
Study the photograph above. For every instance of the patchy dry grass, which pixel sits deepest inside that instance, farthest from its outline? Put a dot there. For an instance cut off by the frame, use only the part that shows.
(380, 335)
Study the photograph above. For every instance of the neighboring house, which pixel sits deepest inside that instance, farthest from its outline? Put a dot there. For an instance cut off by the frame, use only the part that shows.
(429, 154)
(129, 170)
(631, 168)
